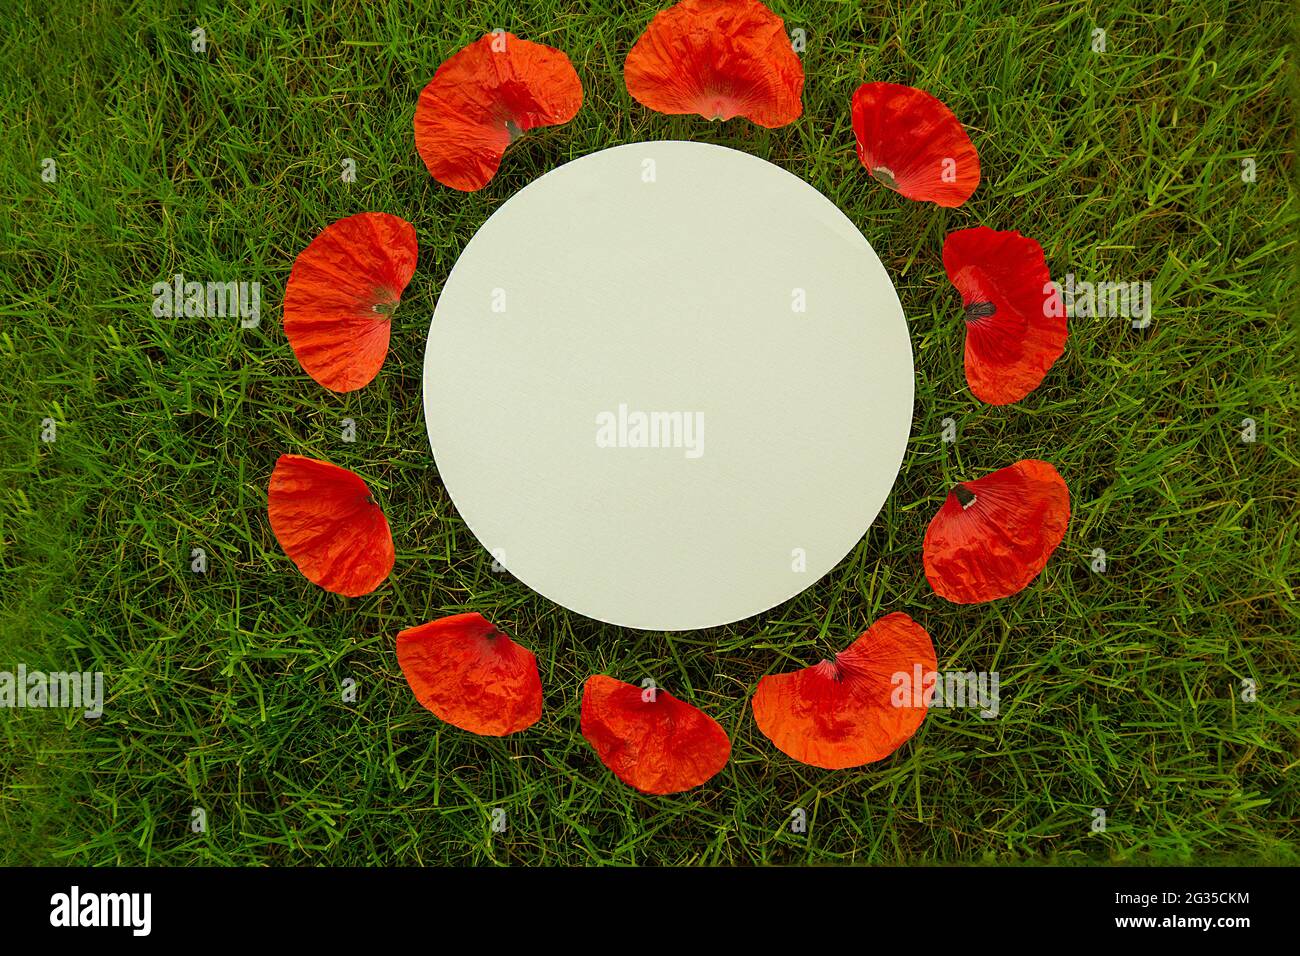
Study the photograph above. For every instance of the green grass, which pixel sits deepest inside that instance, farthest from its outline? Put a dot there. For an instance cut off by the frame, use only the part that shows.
(1119, 690)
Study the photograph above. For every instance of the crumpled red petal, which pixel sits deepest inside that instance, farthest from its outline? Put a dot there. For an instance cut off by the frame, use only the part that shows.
(913, 143)
(719, 59)
(1015, 317)
(471, 675)
(651, 740)
(325, 520)
(994, 535)
(341, 294)
(484, 98)
(846, 712)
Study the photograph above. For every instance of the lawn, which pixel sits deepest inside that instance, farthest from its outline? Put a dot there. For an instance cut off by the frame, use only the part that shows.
(1126, 690)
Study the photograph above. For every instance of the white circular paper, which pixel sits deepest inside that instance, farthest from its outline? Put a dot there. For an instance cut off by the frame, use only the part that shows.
(668, 277)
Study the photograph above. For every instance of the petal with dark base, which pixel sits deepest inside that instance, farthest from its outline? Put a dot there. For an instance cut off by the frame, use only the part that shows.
(484, 98)
(649, 739)
(341, 295)
(911, 142)
(847, 712)
(993, 535)
(1015, 318)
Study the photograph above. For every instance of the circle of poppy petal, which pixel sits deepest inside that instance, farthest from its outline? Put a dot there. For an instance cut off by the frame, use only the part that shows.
(651, 740)
(994, 535)
(719, 59)
(1015, 317)
(471, 675)
(327, 523)
(341, 294)
(851, 711)
(913, 143)
(484, 98)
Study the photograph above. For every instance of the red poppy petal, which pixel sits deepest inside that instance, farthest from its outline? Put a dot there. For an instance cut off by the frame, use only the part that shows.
(471, 675)
(992, 547)
(341, 294)
(651, 740)
(719, 59)
(1015, 317)
(324, 519)
(486, 96)
(849, 712)
(913, 143)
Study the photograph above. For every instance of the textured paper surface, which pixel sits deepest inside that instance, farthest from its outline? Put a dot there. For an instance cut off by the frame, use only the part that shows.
(668, 277)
